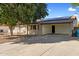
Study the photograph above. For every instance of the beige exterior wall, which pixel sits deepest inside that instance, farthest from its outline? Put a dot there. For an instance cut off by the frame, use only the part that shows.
(43, 29)
(16, 30)
(5, 29)
(23, 30)
(59, 28)
(19, 30)
(63, 28)
(40, 29)
(46, 29)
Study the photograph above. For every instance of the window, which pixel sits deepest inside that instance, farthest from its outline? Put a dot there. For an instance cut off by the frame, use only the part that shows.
(33, 27)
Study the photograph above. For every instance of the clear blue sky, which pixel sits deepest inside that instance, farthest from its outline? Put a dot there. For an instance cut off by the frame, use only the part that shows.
(61, 9)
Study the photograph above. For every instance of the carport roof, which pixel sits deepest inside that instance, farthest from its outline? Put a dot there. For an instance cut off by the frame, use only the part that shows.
(68, 19)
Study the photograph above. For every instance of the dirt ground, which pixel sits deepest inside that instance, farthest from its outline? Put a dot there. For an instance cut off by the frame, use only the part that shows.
(8, 38)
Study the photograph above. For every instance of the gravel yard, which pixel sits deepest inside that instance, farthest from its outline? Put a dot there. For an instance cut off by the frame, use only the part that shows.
(47, 45)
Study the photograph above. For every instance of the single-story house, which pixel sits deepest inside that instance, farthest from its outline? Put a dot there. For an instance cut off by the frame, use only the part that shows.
(59, 25)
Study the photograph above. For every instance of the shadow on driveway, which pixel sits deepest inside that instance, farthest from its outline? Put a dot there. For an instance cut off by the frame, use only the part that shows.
(43, 39)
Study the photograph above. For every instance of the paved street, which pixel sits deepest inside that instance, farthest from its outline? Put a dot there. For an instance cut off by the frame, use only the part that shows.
(47, 45)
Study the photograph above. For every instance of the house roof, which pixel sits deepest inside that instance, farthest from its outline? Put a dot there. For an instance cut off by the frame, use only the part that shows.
(67, 19)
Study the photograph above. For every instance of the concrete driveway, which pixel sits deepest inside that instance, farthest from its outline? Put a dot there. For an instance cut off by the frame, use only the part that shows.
(47, 45)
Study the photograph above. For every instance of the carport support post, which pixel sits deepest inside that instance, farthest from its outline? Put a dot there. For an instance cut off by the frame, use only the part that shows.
(27, 29)
(39, 29)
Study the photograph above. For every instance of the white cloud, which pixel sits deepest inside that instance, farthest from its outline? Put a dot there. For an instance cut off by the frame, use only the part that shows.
(71, 9)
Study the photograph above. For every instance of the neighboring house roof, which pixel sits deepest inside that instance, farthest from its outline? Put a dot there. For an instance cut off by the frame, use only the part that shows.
(68, 19)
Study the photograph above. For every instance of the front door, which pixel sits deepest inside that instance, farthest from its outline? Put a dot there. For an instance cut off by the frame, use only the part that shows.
(53, 29)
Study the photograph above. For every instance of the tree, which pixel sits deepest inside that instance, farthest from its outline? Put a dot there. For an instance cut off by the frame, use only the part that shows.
(29, 13)
(75, 4)
(15, 13)
(41, 11)
(7, 16)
